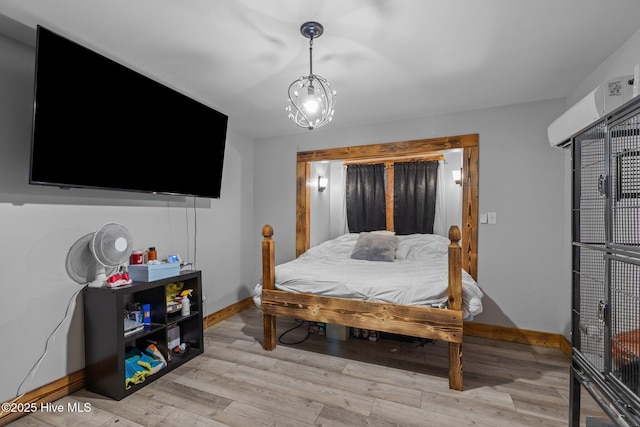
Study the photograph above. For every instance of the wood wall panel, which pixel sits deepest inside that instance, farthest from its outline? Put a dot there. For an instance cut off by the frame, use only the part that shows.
(391, 149)
(303, 208)
(469, 228)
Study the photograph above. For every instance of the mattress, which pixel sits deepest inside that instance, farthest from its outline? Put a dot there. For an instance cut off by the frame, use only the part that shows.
(418, 274)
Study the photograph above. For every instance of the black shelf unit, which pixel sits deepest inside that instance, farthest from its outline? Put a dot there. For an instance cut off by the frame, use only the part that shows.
(106, 343)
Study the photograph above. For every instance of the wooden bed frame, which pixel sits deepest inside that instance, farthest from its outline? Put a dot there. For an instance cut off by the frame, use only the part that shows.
(423, 322)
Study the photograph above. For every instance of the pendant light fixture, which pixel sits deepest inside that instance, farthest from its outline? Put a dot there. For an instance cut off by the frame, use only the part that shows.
(311, 99)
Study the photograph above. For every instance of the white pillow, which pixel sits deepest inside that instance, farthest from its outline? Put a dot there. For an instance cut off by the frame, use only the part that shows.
(421, 246)
(375, 247)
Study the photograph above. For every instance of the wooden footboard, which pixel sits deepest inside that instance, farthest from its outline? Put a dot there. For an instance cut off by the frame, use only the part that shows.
(423, 322)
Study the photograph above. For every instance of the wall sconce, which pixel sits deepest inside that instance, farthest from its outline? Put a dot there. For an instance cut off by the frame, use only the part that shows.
(457, 176)
(322, 183)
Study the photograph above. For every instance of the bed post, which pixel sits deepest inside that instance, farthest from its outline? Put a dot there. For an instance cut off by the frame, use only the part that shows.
(455, 303)
(268, 282)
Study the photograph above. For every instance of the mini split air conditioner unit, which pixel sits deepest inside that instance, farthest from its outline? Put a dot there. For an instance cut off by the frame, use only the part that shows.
(599, 102)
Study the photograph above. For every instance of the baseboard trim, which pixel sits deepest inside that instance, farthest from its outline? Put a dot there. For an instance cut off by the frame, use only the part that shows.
(521, 336)
(76, 381)
(227, 312)
(47, 393)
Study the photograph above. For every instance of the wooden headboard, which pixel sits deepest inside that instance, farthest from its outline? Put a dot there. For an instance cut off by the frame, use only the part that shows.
(468, 143)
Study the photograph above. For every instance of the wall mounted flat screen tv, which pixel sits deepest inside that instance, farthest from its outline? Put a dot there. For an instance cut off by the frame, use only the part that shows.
(98, 124)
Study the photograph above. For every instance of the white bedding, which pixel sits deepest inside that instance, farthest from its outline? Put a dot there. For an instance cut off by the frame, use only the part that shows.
(417, 276)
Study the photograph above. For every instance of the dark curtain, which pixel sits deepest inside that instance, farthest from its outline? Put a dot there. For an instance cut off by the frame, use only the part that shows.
(414, 199)
(365, 193)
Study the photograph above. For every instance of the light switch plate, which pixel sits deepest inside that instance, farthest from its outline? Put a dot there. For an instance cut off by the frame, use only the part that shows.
(492, 217)
(483, 218)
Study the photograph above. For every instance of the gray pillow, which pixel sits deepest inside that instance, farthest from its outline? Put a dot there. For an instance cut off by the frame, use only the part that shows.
(375, 247)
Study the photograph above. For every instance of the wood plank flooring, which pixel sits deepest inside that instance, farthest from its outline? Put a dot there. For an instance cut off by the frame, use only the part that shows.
(328, 382)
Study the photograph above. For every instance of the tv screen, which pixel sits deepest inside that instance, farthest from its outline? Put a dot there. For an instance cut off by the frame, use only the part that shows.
(98, 124)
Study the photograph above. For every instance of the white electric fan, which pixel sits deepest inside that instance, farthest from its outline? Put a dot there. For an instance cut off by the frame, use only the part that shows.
(96, 256)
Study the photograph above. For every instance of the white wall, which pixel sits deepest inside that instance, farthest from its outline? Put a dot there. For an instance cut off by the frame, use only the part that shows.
(520, 259)
(452, 191)
(338, 215)
(39, 224)
(321, 203)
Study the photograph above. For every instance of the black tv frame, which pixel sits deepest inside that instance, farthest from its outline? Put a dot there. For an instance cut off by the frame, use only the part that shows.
(101, 125)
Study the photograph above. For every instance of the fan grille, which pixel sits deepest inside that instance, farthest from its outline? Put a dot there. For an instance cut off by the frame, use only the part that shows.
(81, 263)
(111, 245)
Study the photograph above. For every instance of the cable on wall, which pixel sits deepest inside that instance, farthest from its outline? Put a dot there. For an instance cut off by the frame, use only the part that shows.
(33, 370)
(195, 234)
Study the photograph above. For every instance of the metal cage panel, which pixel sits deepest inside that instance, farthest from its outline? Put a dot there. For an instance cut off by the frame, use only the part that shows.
(589, 177)
(625, 321)
(590, 278)
(625, 183)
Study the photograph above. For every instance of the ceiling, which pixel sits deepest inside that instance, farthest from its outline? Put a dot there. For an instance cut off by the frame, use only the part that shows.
(388, 60)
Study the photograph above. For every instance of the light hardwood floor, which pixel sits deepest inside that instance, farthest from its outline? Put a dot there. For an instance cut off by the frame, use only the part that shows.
(328, 382)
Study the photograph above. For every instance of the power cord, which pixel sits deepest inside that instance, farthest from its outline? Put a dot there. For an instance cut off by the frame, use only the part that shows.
(46, 345)
(195, 233)
(300, 323)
